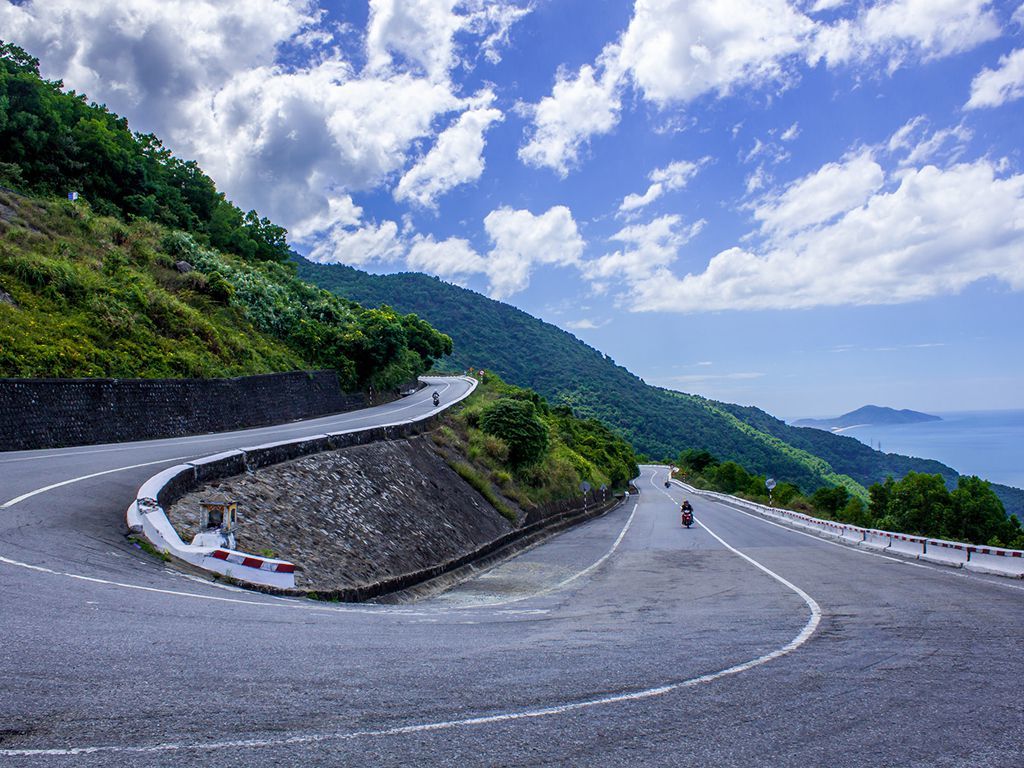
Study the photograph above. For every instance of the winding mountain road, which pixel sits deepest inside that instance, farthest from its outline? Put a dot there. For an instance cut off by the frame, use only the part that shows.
(628, 639)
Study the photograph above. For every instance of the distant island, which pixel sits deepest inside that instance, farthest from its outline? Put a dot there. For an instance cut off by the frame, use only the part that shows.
(868, 416)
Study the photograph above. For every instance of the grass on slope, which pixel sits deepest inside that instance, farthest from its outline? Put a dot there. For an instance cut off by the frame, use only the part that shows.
(93, 296)
(573, 450)
(96, 297)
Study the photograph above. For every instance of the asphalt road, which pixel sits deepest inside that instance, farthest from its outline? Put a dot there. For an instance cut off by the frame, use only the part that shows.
(628, 639)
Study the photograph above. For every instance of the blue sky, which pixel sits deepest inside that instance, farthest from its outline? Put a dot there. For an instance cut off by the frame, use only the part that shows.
(805, 206)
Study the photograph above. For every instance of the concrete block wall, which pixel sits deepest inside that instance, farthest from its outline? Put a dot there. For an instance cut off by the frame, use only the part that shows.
(53, 413)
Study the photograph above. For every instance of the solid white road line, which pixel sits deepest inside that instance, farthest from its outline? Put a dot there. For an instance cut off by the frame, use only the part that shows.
(279, 602)
(559, 709)
(566, 582)
(858, 550)
(37, 491)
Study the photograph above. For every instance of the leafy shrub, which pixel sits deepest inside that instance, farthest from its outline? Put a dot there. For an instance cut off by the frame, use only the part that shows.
(219, 288)
(517, 424)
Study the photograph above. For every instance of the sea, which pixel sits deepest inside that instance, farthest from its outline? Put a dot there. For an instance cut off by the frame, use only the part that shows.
(989, 444)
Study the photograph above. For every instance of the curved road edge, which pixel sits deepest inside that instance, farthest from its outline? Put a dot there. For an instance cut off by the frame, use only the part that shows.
(146, 515)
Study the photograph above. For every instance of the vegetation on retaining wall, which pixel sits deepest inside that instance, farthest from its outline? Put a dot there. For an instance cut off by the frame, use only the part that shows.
(510, 444)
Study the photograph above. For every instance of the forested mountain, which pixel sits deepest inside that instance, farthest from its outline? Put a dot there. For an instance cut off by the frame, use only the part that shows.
(869, 415)
(659, 422)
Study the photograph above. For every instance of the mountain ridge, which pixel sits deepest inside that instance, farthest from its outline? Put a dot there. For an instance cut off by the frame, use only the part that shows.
(869, 415)
(660, 423)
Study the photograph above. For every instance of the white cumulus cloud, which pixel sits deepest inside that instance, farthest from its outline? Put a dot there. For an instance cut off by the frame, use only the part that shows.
(453, 258)
(921, 147)
(360, 246)
(673, 176)
(898, 30)
(522, 240)
(456, 158)
(676, 51)
(833, 189)
(995, 87)
(933, 233)
(580, 106)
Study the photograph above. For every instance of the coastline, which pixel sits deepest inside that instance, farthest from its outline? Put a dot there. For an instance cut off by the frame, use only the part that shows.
(989, 444)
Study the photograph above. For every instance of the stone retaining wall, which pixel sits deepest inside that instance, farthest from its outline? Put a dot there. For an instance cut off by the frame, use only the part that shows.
(353, 516)
(365, 520)
(53, 413)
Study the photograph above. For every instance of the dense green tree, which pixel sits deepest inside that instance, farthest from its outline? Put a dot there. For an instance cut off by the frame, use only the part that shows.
(784, 493)
(855, 512)
(730, 477)
(919, 504)
(696, 460)
(976, 513)
(517, 423)
(423, 339)
(830, 500)
(880, 494)
(54, 142)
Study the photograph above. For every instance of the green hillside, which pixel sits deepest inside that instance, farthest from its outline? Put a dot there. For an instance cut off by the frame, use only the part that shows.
(658, 422)
(152, 272)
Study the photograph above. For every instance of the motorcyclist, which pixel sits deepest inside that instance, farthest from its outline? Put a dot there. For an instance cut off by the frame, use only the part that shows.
(436, 398)
(686, 513)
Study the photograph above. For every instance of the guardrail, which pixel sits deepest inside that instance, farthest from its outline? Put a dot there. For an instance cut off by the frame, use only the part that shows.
(146, 514)
(998, 561)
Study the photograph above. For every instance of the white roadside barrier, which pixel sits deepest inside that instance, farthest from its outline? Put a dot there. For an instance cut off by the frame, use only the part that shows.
(876, 540)
(146, 514)
(853, 534)
(997, 561)
(945, 553)
(907, 545)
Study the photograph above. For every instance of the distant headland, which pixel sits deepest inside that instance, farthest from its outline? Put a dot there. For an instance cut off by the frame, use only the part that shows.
(868, 416)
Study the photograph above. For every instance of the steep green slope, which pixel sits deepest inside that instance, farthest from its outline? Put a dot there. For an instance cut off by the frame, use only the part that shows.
(54, 141)
(91, 295)
(659, 422)
(97, 286)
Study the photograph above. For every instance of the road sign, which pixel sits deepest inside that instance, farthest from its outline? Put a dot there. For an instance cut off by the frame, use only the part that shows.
(585, 486)
(769, 483)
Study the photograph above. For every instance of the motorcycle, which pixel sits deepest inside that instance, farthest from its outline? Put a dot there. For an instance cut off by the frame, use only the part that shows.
(436, 398)
(687, 518)
(668, 484)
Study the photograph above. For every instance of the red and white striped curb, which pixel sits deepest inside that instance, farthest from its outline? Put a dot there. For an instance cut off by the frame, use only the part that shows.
(1000, 553)
(253, 562)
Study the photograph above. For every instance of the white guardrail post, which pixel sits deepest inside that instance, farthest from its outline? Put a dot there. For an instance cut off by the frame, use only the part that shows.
(997, 561)
(146, 515)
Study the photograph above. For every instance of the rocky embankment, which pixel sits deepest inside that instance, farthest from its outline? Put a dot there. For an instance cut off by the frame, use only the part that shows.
(354, 516)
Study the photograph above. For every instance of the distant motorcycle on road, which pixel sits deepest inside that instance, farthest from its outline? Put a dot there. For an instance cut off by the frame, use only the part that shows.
(436, 398)
(687, 514)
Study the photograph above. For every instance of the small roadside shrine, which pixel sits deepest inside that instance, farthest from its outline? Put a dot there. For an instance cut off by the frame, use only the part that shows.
(218, 518)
